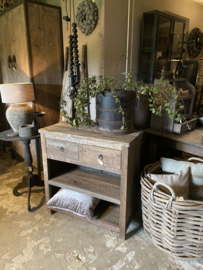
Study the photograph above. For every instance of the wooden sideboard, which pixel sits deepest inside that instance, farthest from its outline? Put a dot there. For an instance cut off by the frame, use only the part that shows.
(70, 160)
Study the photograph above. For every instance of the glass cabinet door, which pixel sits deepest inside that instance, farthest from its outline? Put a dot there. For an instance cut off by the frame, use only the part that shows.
(161, 44)
(177, 45)
(148, 31)
(163, 56)
(178, 35)
(146, 62)
(146, 67)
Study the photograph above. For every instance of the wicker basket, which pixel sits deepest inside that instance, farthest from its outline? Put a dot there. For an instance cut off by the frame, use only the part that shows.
(175, 227)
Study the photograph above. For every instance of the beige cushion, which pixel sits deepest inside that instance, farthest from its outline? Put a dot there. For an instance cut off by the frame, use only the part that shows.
(196, 175)
(75, 202)
(178, 181)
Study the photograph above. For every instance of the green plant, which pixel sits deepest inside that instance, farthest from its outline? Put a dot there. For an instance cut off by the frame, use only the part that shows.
(162, 97)
(87, 89)
(159, 98)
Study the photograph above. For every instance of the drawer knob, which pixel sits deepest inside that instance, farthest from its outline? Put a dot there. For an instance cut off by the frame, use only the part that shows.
(62, 149)
(100, 157)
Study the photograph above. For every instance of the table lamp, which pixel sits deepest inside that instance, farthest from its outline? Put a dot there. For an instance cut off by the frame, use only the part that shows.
(18, 94)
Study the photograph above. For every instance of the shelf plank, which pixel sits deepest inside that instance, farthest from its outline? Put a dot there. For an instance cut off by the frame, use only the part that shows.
(101, 186)
(106, 216)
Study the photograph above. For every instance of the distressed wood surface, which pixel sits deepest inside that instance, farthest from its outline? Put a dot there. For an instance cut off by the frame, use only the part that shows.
(82, 163)
(188, 138)
(123, 157)
(45, 38)
(14, 42)
(189, 142)
(130, 178)
(103, 187)
(62, 149)
(89, 135)
(108, 224)
(133, 184)
(181, 128)
(111, 158)
(123, 192)
(45, 169)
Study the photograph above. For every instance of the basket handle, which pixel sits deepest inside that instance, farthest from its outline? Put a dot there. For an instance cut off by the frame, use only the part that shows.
(173, 197)
(194, 158)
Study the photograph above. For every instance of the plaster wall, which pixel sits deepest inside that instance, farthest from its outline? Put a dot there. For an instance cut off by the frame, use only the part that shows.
(115, 38)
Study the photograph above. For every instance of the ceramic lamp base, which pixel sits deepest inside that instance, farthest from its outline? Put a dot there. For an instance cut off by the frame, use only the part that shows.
(19, 115)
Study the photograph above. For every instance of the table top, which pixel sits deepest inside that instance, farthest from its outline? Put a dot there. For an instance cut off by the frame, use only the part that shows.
(62, 130)
(192, 137)
(4, 137)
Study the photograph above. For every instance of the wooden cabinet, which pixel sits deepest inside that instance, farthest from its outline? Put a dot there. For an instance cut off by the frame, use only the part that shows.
(70, 160)
(32, 33)
(161, 44)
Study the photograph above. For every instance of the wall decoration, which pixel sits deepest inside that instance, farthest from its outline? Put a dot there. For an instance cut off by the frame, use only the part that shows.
(195, 42)
(73, 56)
(6, 4)
(87, 16)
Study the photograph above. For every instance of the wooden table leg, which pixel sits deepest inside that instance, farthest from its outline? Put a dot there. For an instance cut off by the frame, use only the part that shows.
(123, 194)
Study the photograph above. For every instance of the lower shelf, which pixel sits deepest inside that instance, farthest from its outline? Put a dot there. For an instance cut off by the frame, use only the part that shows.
(102, 186)
(106, 215)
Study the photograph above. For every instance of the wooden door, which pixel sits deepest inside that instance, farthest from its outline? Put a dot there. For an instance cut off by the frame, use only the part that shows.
(45, 35)
(13, 42)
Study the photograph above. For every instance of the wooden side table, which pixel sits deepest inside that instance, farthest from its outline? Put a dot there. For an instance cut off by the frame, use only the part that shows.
(70, 160)
(30, 180)
(189, 142)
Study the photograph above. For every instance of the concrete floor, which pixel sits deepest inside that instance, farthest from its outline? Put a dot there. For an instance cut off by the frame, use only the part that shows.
(30, 241)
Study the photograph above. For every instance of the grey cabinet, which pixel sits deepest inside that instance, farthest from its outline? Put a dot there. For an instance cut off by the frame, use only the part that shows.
(161, 44)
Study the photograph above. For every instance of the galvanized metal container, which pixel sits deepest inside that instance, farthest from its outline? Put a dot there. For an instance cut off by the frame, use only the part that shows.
(109, 119)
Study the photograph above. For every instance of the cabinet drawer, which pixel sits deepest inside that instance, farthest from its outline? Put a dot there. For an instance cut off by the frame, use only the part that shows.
(111, 158)
(62, 150)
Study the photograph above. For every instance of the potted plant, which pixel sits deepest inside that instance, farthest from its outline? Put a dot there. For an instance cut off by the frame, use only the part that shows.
(159, 98)
(115, 104)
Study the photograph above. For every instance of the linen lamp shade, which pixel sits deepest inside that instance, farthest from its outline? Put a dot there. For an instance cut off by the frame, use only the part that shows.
(17, 92)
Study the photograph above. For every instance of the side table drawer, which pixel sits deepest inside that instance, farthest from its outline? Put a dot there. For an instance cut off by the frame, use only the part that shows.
(62, 149)
(110, 158)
